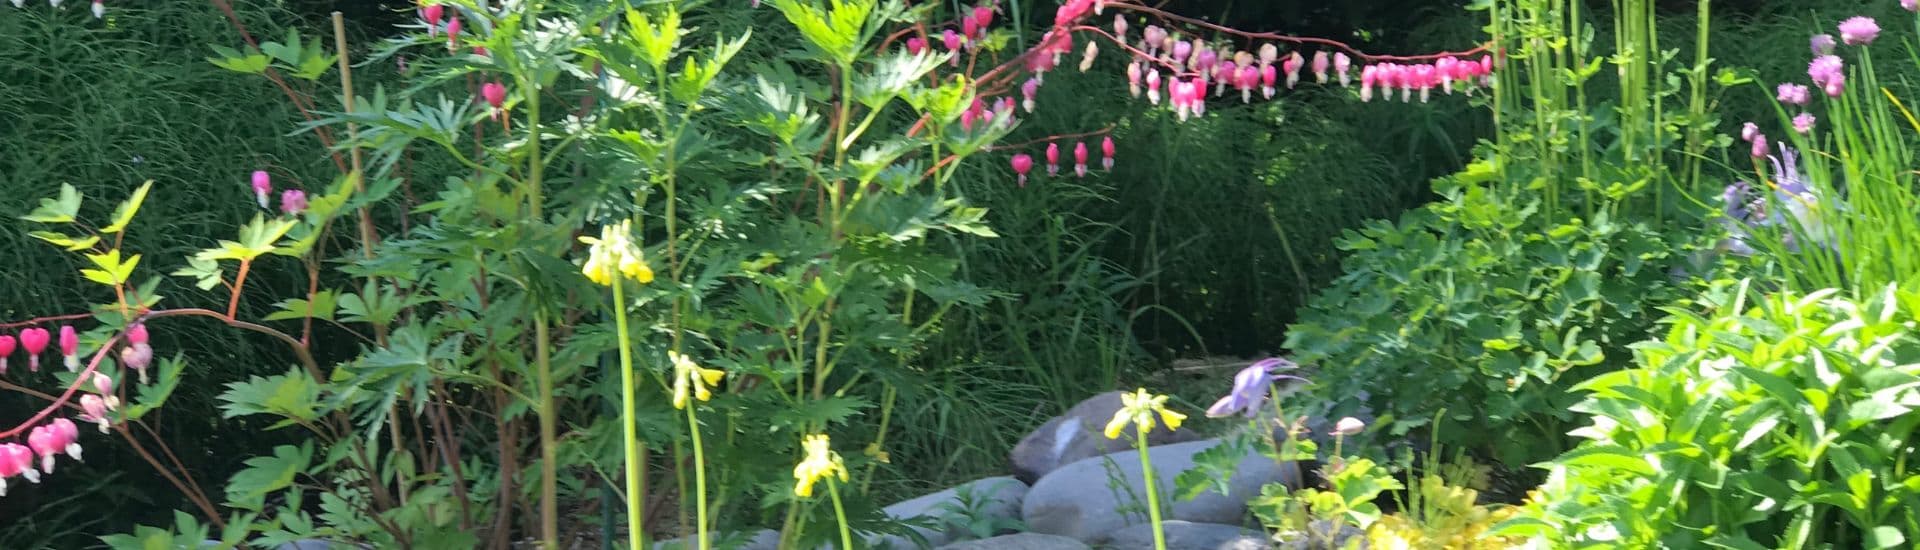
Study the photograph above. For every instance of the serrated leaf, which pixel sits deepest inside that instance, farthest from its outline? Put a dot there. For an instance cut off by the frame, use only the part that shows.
(123, 214)
(321, 307)
(249, 487)
(57, 210)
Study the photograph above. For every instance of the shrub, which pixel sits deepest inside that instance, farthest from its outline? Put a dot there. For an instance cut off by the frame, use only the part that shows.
(1480, 305)
(1756, 422)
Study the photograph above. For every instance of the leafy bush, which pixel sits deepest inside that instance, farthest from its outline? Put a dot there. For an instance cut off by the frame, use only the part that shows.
(1781, 421)
(1478, 304)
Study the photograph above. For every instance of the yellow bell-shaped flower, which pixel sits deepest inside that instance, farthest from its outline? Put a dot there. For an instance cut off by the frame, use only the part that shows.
(819, 463)
(690, 380)
(614, 254)
(1139, 408)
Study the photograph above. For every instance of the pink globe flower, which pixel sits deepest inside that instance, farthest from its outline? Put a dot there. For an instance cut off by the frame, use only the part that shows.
(293, 202)
(1748, 131)
(1821, 44)
(1793, 94)
(1910, 5)
(1803, 123)
(1859, 31)
(1759, 146)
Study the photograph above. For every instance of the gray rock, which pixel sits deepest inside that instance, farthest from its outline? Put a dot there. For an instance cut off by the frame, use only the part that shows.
(994, 499)
(1076, 500)
(764, 539)
(1075, 436)
(1321, 535)
(1021, 541)
(1183, 535)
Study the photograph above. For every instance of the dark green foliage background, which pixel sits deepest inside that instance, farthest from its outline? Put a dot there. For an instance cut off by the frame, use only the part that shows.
(1183, 250)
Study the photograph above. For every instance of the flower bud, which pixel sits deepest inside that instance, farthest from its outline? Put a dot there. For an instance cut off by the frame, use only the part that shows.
(293, 202)
(1080, 159)
(262, 185)
(7, 344)
(1106, 153)
(35, 341)
(1349, 426)
(1053, 159)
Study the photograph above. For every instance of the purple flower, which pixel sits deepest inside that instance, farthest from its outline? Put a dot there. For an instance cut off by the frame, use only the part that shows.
(1822, 44)
(1859, 31)
(1250, 388)
(1836, 85)
(1825, 68)
(1793, 94)
(1910, 5)
(1803, 123)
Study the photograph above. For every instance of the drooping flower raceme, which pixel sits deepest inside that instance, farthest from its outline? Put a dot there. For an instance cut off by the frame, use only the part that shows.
(613, 255)
(690, 380)
(1138, 409)
(819, 463)
(1859, 31)
(1250, 388)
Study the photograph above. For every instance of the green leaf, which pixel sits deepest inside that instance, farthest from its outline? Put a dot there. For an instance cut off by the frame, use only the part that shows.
(123, 214)
(293, 396)
(1885, 536)
(57, 210)
(253, 62)
(72, 244)
(249, 487)
(321, 307)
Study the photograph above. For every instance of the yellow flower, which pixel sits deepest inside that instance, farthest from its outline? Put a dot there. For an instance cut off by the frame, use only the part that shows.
(1138, 408)
(614, 252)
(820, 463)
(690, 379)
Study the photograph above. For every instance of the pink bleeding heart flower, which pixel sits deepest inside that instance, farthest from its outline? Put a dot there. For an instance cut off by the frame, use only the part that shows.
(102, 383)
(35, 341)
(1343, 65)
(1053, 159)
(1244, 79)
(99, 9)
(137, 355)
(916, 45)
(1267, 80)
(983, 16)
(16, 460)
(1368, 75)
(1133, 80)
(1181, 50)
(70, 348)
(1120, 28)
(1153, 86)
(1152, 37)
(293, 202)
(1022, 163)
(1292, 66)
(453, 34)
(481, 51)
(495, 94)
(1106, 153)
(952, 42)
(432, 14)
(68, 435)
(1205, 59)
(1080, 159)
(1859, 31)
(1320, 64)
(1031, 87)
(7, 344)
(95, 411)
(1268, 53)
(262, 185)
(46, 443)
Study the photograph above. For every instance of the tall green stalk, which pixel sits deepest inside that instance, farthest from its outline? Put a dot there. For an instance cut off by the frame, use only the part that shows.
(636, 517)
(1153, 491)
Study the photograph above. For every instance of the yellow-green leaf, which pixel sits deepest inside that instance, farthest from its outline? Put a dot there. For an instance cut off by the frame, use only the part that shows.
(124, 214)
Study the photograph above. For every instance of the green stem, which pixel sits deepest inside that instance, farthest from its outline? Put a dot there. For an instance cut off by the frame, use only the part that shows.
(840, 513)
(1153, 493)
(699, 478)
(636, 517)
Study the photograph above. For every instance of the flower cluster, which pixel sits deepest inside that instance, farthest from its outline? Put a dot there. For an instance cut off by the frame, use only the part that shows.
(1138, 409)
(1023, 163)
(820, 463)
(99, 6)
(615, 254)
(292, 201)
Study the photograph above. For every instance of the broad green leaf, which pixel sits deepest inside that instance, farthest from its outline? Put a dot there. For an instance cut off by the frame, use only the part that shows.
(57, 210)
(249, 487)
(72, 244)
(1885, 536)
(321, 307)
(123, 214)
(253, 62)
